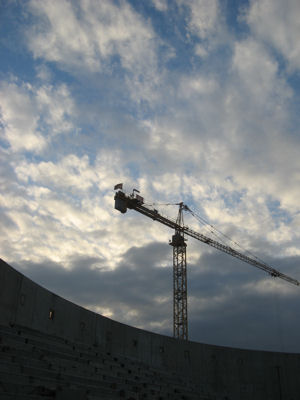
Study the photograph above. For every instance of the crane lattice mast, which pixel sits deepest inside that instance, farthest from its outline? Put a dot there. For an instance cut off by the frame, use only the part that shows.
(180, 319)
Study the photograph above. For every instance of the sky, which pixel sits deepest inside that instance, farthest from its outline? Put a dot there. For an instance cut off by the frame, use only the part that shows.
(184, 100)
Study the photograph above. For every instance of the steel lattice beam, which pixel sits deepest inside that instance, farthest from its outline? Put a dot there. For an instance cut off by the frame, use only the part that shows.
(180, 320)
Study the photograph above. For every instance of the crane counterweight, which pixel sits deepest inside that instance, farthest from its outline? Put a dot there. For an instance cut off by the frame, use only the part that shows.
(120, 204)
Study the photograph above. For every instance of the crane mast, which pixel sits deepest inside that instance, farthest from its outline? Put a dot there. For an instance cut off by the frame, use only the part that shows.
(178, 242)
(180, 320)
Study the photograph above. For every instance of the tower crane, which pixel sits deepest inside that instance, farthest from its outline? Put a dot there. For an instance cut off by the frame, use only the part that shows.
(135, 202)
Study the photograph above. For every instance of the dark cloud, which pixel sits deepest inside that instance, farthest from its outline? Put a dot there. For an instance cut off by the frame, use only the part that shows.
(137, 287)
(235, 304)
(227, 304)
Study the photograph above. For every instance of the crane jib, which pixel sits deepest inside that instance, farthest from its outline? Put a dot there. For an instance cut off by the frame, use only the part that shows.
(123, 202)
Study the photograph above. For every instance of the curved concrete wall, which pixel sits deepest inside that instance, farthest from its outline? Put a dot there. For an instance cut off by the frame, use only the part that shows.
(227, 373)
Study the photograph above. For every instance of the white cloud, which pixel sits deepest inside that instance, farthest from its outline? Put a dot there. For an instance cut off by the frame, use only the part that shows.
(201, 51)
(66, 207)
(56, 106)
(205, 21)
(161, 5)
(266, 286)
(259, 72)
(226, 146)
(44, 73)
(19, 118)
(197, 86)
(203, 16)
(96, 36)
(70, 173)
(278, 23)
(31, 115)
(60, 36)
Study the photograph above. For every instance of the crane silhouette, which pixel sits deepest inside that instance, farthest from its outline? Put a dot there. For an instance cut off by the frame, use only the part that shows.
(135, 202)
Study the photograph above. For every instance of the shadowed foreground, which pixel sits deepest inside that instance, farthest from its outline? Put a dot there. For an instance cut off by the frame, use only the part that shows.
(53, 349)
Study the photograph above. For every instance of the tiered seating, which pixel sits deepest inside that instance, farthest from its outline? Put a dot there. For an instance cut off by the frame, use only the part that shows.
(38, 366)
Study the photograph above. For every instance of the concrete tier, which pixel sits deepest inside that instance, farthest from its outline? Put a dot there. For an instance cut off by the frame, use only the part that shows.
(53, 348)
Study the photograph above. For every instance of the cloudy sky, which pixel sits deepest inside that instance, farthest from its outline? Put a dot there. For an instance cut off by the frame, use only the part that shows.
(186, 100)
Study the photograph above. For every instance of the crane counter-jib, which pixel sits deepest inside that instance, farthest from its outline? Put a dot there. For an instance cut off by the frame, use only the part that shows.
(123, 202)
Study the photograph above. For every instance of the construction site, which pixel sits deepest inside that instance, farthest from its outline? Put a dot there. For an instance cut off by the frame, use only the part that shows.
(52, 348)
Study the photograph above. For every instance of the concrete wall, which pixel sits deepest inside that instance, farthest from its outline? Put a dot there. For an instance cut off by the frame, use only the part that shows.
(226, 372)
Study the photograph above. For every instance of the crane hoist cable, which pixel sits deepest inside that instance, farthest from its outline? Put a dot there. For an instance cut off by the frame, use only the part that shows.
(210, 228)
(214, 229)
